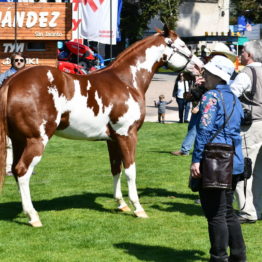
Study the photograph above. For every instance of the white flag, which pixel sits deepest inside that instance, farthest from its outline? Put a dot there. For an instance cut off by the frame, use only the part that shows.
(95, 24)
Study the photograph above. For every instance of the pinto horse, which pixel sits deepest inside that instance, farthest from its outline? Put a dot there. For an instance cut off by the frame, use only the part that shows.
(108, 104)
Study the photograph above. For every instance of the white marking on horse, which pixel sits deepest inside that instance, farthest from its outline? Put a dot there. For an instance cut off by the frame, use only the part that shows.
(25, 191)
(124, 122)
(117, 191)
(43, 133)
(84, 124)
(50, 76)
(132, 190)
(88, 85)
(59, 103)
(153, 54)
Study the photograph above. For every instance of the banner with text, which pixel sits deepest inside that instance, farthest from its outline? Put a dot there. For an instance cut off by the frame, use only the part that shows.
(99, 20)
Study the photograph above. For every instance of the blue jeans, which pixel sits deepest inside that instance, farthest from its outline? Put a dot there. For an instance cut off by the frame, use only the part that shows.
(191, 135)
(183, 109)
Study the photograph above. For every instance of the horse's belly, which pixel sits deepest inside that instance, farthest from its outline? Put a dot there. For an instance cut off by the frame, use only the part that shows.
(88, 129)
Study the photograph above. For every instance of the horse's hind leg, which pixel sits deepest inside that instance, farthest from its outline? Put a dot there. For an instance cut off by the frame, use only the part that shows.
(30, 155)
(115, 161)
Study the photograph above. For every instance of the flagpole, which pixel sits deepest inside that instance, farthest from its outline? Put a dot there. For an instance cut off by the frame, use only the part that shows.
(15, 25)
(78, 35)
(111, 33)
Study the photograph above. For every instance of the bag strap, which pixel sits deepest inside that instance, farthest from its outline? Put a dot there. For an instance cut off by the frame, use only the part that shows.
(254, 81)
(227, 117)
(184, 86)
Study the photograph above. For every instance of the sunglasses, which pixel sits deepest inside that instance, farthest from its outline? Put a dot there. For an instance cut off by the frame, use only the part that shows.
(21, 60)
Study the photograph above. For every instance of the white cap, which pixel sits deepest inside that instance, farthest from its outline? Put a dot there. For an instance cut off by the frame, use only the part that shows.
(223, 49)
(221, 67)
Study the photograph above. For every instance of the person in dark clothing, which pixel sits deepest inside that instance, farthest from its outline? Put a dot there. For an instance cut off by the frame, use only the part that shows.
(17, 63)
(223, 225)
(182, 86)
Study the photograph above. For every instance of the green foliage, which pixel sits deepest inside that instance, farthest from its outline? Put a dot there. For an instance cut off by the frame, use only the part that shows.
(169, 12)
(72, 190)
(137, 14)
(251, 9)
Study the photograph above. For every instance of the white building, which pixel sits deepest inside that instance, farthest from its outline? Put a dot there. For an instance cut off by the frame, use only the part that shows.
(200, 17)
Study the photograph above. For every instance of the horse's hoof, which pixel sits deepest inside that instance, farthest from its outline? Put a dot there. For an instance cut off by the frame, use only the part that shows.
(36, 224)
(124, 209)
(141, 214)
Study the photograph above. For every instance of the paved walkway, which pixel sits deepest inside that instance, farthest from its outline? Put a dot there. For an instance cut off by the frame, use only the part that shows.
(162, 83)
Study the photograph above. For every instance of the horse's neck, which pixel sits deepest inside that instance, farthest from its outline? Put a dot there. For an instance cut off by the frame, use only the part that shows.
(137, 67)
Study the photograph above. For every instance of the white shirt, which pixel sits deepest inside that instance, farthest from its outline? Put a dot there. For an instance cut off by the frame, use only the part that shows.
(243, 82)
(181, 88)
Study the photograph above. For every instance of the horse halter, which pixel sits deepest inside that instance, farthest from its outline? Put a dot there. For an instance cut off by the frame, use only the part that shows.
(177, 49)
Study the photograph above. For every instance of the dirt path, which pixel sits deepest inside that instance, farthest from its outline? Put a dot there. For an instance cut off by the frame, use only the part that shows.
(161, 83)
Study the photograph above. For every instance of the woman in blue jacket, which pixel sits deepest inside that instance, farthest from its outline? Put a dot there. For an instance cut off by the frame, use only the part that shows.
(223, 225)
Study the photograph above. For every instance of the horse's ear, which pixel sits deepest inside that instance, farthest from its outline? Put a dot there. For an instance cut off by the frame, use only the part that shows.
(158, 30)
(166, 30)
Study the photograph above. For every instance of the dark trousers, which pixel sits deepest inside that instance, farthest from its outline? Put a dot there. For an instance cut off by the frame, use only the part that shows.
(223, 226)
(183, 109)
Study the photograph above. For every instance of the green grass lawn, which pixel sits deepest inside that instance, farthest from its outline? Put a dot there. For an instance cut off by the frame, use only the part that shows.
(72, 191)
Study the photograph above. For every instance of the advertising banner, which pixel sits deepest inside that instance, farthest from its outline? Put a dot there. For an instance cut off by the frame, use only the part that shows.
(99, 20)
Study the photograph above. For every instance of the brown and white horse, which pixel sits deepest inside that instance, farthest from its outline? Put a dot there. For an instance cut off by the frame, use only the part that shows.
(109, 104)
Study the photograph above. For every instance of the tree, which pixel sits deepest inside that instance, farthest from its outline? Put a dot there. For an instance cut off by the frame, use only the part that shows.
(136, 15)
(251, 9)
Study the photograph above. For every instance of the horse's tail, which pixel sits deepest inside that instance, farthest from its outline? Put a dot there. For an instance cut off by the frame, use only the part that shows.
(3, 132)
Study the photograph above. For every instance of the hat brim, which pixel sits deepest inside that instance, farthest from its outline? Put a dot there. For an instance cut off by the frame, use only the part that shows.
(230, 55)
(215, 71)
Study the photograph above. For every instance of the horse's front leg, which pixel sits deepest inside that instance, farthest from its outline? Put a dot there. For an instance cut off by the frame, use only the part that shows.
(127, 145)
(116, 162)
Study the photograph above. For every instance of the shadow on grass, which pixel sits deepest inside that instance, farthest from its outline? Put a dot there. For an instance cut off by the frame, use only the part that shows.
(188, 209)
(161, 254)
(161, 192)
(9, 211)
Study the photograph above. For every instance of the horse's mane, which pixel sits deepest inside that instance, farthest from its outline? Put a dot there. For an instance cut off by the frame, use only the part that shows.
(131, 49)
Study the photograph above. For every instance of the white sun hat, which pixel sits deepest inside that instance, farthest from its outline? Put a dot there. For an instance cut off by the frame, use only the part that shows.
(221, 67)
(223, 49)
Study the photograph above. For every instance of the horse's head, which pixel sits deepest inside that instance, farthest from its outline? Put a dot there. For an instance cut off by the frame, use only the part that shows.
(177, 55)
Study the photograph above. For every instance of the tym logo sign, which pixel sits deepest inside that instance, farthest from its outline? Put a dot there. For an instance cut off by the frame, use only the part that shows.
(10, 47)
(29, 19)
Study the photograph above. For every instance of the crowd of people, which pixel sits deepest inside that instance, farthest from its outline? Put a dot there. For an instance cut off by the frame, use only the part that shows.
(220, 86)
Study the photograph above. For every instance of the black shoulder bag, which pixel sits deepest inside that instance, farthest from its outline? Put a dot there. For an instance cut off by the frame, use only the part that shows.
(217, 163)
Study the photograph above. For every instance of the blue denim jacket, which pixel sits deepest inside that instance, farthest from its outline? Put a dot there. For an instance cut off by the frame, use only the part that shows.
(7, 74)
(212, 116)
